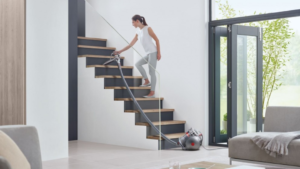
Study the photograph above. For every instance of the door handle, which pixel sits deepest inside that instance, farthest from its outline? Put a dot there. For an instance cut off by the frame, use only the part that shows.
(229, 85)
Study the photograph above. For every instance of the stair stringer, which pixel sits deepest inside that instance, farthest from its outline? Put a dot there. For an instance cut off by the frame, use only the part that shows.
(101, 119)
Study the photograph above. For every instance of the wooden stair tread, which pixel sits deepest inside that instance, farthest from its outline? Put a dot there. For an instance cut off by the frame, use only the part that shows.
(156, 123)
(138, 99)
(149, 110)
(89, 38)
(99, 56)
(131, 87)
(96, 47)
(170, 136)
(110, 66)
(118, 76)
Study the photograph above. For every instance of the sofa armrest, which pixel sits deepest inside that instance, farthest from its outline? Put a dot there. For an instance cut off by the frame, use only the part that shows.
(26, 137)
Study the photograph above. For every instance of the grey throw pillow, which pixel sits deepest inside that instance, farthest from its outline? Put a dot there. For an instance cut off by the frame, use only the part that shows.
(4, 164)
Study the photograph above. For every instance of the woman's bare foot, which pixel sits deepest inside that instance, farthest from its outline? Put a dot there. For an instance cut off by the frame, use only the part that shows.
(146, 82)
(151, 93)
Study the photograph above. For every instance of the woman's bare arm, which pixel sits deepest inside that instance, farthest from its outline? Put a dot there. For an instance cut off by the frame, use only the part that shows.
(152, 34)
(128, 46)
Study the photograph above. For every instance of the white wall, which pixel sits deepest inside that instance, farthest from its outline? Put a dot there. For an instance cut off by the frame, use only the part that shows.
(96, 26)
(100, 118)
(181, 27)
(206, 73)
(47, 74)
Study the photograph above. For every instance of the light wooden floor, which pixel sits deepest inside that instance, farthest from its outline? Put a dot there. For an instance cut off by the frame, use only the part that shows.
(86, 155)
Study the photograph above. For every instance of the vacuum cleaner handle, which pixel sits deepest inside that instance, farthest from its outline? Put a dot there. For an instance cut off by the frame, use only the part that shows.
(117, 59)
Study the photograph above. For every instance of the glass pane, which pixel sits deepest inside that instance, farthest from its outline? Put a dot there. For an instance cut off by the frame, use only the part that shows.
(287, 76)
(222, 9)
(281, 61)
(93, 55)
(246, 84)
(223, 85)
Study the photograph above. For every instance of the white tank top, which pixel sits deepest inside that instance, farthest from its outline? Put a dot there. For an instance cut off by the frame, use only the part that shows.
(146, 40)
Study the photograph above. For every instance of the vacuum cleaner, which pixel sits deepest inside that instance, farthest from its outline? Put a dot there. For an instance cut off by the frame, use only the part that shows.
(191, 140)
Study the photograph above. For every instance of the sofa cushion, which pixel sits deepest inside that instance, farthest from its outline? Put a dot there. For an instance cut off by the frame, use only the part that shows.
(282, 119)
(242, 147)
(12, 153)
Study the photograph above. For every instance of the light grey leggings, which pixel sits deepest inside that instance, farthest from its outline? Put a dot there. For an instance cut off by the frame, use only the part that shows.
(150, 58)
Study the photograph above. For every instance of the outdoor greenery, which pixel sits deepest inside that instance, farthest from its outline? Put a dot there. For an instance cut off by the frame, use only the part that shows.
(249, 115)
(225, 117)
(276, 38)
(223, 132)
(292, 76)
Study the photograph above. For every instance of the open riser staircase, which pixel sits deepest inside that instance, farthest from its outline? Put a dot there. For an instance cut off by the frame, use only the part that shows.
(96, 53)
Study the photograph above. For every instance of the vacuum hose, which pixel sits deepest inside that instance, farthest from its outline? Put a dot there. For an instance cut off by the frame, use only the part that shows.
(117, 59)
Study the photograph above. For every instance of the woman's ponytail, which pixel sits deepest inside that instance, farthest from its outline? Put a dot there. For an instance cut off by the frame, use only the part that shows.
(144, 21)
(140, 18)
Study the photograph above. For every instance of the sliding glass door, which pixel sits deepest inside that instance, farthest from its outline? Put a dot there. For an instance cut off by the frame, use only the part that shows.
(221, 101)
(245, 89)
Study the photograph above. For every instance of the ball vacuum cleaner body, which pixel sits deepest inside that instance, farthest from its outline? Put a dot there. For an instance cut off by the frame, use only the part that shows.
(192, 140)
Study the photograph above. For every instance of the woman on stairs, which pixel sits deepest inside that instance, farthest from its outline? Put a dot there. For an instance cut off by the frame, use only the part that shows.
(145, 35)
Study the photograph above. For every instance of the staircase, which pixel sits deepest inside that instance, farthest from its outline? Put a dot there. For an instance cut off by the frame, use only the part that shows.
(96, 53)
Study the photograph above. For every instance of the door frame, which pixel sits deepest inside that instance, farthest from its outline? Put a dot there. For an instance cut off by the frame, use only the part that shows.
(211, 59)
(218, 33)
(231, 33)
